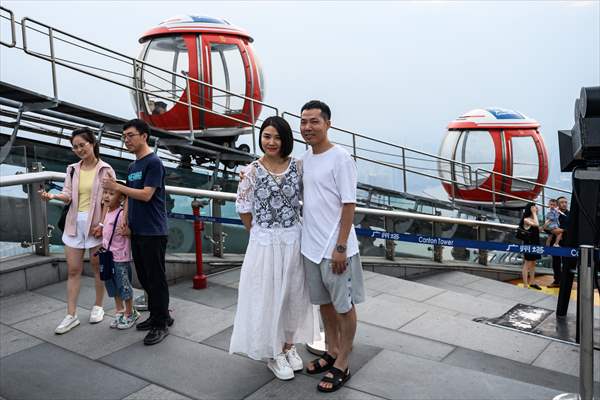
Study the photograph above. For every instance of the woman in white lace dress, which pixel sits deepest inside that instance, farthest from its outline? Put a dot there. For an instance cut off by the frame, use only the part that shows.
(273, 308)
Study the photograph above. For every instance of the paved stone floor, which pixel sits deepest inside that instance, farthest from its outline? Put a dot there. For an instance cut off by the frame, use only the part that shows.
(415, 340)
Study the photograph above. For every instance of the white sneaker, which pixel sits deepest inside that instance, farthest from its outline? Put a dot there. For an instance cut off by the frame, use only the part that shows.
(115, 321)
(127, 322)
(96, 315)
(294, 359)
(280, 367)
(68, 323)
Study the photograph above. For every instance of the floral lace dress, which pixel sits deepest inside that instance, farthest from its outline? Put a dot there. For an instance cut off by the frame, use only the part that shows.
(273, 303)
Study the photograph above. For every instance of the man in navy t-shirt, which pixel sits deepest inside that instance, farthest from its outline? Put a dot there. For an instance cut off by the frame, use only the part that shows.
(147, 219)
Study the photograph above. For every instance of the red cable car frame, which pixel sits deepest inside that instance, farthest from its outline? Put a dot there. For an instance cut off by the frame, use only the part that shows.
(203, 42)
(513, 138)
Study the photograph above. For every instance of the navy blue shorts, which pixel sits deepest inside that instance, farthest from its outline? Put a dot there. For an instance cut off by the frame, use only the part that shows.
(120, 284)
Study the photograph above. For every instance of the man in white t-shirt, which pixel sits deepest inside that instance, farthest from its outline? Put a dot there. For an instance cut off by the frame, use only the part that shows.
(329, 243)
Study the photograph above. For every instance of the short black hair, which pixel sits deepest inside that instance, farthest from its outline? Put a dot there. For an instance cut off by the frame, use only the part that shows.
(561, 197)
(285, 134)
(141, 126)
(318, 104)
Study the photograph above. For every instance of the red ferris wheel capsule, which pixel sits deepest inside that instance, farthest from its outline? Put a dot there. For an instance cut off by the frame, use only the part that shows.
(493, 150)
(184, 51)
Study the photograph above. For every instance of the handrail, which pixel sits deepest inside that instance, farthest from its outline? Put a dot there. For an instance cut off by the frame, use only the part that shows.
(132, 59)
(32, 177)
(404, 168)
(522, 180)
(436, 157)
(13, 30)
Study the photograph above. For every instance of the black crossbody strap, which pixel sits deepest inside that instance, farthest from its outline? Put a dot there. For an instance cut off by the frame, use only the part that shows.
(114, 227)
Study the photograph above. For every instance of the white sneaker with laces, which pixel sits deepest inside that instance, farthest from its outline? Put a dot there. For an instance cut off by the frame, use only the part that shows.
(96, 315)
(294, 359)
(68, 323)
(280, 367)
(127, 322)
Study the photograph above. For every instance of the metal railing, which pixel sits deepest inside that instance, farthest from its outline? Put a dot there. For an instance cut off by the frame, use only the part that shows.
(41, 231)
(37, 177)
(496, 193)
(13, 30)
(406, 153)
(135, 64)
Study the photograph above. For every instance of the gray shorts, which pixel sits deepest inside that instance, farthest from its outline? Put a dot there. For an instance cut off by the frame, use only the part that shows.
(341, 290)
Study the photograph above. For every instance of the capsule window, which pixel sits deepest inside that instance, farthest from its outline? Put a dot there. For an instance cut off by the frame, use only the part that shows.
(165, 78)
(228, 76)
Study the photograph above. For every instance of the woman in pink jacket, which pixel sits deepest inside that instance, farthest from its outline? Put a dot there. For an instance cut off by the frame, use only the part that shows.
(83, 228)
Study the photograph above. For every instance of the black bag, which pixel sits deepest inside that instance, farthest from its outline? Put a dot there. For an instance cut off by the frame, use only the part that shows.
(63, 214)
(523, 234)
(105, 256)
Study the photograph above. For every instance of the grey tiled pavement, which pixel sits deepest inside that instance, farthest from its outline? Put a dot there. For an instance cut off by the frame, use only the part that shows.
(414, 341)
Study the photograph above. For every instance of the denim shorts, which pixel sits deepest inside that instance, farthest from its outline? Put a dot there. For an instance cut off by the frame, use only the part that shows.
(120, 284)
(342, 290)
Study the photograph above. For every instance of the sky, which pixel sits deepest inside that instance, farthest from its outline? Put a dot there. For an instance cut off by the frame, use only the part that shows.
(398, 71)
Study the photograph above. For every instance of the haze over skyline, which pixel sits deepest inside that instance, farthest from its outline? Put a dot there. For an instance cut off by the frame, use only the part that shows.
(396, 71)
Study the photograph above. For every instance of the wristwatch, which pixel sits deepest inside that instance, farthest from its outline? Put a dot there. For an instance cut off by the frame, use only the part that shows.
(340, 248)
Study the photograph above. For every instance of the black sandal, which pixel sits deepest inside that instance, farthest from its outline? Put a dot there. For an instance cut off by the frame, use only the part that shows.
(318, 368)
(338, 380)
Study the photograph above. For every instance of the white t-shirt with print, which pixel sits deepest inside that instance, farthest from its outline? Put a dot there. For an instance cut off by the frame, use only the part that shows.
(329, 182)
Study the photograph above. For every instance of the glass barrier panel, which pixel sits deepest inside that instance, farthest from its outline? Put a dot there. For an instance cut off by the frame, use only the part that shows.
(181, 232)
(15, 217)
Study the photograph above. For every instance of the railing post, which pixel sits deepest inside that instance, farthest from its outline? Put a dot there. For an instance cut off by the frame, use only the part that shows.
(586, 323)
(253, 124)
(354, 146)
(189, 104)
(543, 204)
(390, 245)
(494, 193)
(53, 62)
(217, 227)
(199, 280)
(586, 326)
(437, 232)
(136, 84)
(39, 215)
(482, 236)
(404, 169)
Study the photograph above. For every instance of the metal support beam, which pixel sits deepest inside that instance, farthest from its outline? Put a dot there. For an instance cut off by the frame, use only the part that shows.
(217, 228)
(437, 232)
(482, 235)
(586, 323)
(39, 216)
(390, 245)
